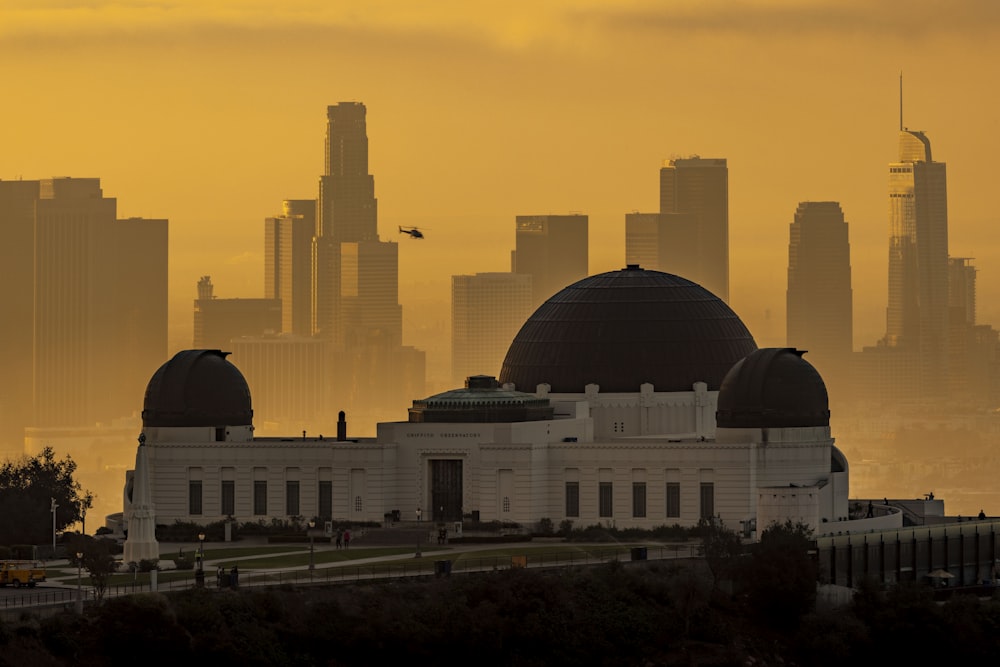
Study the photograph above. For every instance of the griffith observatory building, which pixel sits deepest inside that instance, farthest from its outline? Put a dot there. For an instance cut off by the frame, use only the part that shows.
(631, 398)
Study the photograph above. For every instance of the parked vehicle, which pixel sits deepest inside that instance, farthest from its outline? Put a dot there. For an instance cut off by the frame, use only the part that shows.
(19, 573)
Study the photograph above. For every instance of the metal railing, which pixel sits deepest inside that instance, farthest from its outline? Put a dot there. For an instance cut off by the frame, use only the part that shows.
(36, 597)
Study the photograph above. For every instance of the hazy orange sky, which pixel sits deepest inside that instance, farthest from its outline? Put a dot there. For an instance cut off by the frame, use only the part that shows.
(209, 113)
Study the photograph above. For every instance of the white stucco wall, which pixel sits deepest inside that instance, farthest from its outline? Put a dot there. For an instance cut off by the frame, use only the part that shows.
(526, 463)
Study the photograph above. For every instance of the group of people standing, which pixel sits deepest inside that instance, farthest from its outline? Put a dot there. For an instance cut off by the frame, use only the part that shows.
(343, 538)
(232, 579)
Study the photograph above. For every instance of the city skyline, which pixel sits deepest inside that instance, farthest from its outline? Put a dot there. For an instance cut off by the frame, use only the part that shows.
(184, 114)
(471, 132)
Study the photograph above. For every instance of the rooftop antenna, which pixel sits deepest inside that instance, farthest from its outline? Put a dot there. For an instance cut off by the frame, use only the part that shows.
(900, 100)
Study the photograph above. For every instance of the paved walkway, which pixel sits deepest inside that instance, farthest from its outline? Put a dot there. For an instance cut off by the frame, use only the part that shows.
(349, 568)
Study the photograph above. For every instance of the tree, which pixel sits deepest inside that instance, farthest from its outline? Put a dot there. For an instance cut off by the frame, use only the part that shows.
(720, 546)
(98, 560)
(28, 487)
(781, 575)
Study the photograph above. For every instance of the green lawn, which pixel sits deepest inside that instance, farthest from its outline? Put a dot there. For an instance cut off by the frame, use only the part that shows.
(235, 552)
(334, 564)
(321, 557)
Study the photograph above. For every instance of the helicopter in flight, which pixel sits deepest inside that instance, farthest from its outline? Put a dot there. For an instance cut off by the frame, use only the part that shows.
(414, 232)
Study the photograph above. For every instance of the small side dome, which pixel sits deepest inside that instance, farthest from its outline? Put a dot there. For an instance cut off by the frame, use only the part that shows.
(197, 388)
(773, 388)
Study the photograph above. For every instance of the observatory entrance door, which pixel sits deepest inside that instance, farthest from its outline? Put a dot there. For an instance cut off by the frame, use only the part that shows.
(446, 489)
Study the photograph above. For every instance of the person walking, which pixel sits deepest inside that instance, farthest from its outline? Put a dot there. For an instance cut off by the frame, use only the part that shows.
(347, 538)
(340, 538)
(234, 577)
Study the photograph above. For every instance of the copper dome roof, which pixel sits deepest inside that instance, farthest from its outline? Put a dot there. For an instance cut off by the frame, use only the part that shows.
(197, 388)
(624, 328)
(481, 401)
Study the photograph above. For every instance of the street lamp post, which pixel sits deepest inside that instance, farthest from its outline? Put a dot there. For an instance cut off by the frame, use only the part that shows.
(199, 576)
(54, 506)
(79, 588)
(312, 556)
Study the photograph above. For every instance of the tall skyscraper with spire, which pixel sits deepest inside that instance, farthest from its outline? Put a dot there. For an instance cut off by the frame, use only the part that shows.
(917, 314)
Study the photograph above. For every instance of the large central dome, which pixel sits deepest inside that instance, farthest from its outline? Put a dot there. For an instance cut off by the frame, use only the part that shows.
(623, 328)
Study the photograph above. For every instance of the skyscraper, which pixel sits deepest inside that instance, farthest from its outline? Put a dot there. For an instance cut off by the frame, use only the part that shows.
(288, 242)
(694, 203)
(17, 219)
(487, 310)
(645, 240)
(99, 307)
(973, 348)
(219, 321)
(355, 281)
(552, 249)
(819, 296)
(348, 208)
(917, 314)
(288, 381)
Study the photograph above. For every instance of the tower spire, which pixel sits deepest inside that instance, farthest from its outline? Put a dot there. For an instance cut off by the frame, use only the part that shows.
(900, 100)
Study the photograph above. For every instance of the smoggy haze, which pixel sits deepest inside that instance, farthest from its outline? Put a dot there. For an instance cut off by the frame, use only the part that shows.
(209, 113)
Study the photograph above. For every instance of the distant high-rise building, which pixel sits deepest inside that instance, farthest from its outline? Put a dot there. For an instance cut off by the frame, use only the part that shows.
(819, 296)
(219, 321)
(917, 314)
(355, 282)
(962, 290)
(487, 311)
(348, 208)
(553, 250)
(694, 203)
(288, 381)
(17, 220)
(140, 288)
(645, 240)
(369, 292)
(99, 307)
(973, 352)
(288, 242)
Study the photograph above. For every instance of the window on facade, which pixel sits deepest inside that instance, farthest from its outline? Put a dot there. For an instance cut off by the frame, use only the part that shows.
(260, 497)
(194, 497)
(673, 499)
(638, 499)
(358, 505)
(506, 503)
(292, 498)
(707, 500)
(228, 497)
(572, 499)
(604, 506)
(326, 500)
